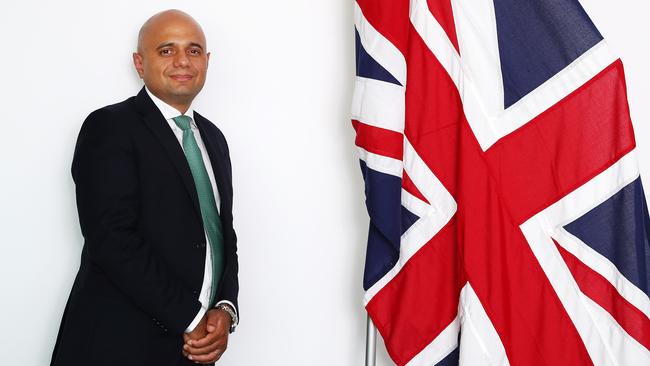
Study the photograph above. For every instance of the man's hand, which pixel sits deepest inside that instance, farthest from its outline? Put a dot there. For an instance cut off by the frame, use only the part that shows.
(208, 341)
(199, 331)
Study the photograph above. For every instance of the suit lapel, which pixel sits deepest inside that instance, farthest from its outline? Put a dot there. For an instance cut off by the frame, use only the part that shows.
(155, 121)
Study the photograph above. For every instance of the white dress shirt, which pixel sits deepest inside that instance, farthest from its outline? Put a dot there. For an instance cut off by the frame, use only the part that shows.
(170, 112)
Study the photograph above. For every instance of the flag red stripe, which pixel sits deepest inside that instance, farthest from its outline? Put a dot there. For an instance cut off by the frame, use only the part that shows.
(421, 301)
(443, 12)
(410, 187)
(601, 291)
(379, 140)
(565, 146)
(390, 18)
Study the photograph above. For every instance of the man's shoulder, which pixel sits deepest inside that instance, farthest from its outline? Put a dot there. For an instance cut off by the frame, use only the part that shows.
(119, 109)
(212, 129)
(208, 124)
(109, 118)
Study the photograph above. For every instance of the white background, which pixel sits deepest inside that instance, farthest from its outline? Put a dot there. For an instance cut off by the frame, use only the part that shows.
(279, 86)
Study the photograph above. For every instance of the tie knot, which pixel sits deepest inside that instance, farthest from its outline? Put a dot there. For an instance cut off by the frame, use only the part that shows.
(183, 122)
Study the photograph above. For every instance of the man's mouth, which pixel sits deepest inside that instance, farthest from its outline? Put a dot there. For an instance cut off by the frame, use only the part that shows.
(181, 77)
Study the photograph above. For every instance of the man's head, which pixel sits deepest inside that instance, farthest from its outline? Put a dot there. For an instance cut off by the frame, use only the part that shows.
(172, 58)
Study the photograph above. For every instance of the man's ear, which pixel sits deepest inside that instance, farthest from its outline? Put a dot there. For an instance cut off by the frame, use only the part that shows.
(137, 62)
(208, 56)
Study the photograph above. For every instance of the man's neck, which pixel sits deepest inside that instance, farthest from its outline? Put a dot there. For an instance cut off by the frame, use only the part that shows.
(181, 107)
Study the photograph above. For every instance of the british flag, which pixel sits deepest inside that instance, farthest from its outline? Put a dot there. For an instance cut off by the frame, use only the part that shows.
(508, 223)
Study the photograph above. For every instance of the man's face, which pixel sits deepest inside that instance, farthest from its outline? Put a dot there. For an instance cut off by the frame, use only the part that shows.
(172, 60)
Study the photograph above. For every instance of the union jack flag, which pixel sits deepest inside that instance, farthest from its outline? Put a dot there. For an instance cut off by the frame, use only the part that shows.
(508, 224)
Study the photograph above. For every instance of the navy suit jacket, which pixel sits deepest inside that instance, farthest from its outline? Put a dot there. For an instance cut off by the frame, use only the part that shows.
(143, 258)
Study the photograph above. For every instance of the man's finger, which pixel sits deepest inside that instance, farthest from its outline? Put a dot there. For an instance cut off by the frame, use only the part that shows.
(219, 343)
(211, 357)
(207, 358)
(209, 338)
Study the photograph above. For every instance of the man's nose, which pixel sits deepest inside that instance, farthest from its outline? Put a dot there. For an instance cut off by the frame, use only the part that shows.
(181, 60)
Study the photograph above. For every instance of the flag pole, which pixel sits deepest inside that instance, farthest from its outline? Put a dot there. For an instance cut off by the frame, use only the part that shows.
(371, 342)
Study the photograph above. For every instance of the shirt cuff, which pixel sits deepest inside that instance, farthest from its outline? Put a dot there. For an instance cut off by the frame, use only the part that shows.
(232, 306)
(196, 321)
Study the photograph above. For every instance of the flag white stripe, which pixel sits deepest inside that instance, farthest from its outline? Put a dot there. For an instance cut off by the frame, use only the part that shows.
(428, 225)
(439, 348)
(620, 345)
(436, 39)
(479, 46)
(379, 48)
(578, 203)
(480, 343)
(381, 163)
(378, 103)
(567, 289)
(579, 72)
(415, 205)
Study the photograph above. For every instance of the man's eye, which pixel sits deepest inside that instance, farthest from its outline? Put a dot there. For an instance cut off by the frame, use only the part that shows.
(195, 52)
(165, 52)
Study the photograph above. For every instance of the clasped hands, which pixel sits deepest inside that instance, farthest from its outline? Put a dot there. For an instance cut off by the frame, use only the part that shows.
(209, 340)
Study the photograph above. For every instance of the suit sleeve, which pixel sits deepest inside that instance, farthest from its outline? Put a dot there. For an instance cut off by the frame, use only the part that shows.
(229, 291)
(108, 201)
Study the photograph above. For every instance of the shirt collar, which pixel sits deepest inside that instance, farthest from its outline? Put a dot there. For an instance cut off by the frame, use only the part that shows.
(168, 111)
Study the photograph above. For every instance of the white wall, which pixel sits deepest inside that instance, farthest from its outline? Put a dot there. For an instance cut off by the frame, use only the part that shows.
(279, 86)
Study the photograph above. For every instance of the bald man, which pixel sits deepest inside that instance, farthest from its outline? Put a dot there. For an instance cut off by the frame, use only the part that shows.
(157, 284)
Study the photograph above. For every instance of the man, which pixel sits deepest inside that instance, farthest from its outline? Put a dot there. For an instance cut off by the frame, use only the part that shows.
(157, 284)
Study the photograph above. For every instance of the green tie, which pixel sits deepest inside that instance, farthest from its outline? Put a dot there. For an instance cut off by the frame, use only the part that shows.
(211, 221)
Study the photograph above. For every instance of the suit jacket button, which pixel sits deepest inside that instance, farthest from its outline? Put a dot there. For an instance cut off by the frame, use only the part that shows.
(200, 245)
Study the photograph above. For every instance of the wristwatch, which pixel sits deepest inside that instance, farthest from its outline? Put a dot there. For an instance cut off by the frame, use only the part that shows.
(233, 316)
